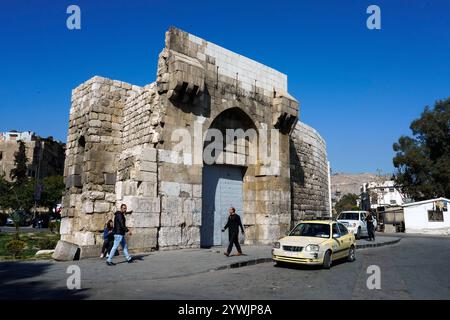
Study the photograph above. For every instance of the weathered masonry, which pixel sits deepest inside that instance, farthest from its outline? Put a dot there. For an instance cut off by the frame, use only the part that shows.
(123, 147)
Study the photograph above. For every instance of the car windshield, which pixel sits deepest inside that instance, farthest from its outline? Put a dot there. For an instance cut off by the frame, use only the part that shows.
(319, 230)
(349, 216)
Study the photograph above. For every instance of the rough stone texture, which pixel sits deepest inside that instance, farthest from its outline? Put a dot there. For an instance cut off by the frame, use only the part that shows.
(309, 174)
(66, 251)
(120, 147)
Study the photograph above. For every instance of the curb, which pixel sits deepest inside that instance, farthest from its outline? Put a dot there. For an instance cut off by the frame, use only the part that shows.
(264, 260)
(380, 244)
(243, 264)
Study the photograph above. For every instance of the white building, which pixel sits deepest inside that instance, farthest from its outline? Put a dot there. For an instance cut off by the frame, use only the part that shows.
(381, 194)
(429, 216)
(13, 135)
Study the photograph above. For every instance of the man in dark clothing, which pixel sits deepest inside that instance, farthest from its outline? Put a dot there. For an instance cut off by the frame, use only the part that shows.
(370, 227)
(233, 225)
(119, 230)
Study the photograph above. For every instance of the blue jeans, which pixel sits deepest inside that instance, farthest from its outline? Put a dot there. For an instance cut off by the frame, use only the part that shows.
(119, 239)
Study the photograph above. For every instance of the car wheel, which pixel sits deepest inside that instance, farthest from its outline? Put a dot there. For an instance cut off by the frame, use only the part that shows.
(358, 233)
(327, 260)
(351, 254)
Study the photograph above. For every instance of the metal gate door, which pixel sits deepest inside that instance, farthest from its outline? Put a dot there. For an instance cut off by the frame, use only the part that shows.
(222, 189)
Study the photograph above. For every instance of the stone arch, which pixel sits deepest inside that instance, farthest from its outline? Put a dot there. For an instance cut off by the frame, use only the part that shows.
(225, 182)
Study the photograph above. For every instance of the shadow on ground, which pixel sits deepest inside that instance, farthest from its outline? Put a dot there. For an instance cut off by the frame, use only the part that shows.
(15, 283)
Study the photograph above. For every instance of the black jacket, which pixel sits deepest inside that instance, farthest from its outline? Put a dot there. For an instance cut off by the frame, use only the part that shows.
(120, 224)
(233, 225)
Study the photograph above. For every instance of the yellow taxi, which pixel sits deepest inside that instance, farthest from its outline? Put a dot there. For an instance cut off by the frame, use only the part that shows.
(315, 242)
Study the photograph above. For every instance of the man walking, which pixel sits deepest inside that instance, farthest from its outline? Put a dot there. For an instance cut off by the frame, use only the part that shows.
(233, 225)
(119, 230)
(370, 227)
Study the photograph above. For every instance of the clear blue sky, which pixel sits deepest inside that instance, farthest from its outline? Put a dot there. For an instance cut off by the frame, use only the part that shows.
(359, 88)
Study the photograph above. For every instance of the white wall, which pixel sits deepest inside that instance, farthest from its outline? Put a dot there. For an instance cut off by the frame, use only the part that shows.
(416, 220)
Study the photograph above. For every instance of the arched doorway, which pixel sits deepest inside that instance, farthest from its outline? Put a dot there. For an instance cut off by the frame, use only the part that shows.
(223, 181)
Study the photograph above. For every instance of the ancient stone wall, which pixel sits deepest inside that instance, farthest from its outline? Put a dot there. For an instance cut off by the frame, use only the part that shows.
(123, 144)
(94, 143)
(309, 174)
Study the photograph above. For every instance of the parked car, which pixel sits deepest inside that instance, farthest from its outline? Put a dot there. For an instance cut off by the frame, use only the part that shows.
(315, 242)
(24, 218)
(355, 221)
(9, 222)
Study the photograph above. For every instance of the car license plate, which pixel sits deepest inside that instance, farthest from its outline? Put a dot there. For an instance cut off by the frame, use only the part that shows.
(290, 253)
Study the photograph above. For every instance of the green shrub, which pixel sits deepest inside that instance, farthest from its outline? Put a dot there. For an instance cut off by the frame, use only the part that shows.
(47, 244)
(15, 247)
(54, 226)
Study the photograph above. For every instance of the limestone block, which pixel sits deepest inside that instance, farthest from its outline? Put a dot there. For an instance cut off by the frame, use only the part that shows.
(66, 251)
(169, 236)
(95, 195)
(84, 238)
(147, 166)
(146, 176)
(88, 207)
(147, 189)
(190, 237)
(148, 154)
(142, 239)
(142, 204)
(110, 197)
(197, 190)
(185, 190)
(170, 188)
(101, 206)
(66, 226)
(171, 211)
(143, 220)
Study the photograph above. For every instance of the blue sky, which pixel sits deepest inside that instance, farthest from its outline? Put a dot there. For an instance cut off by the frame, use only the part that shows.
(359, 88)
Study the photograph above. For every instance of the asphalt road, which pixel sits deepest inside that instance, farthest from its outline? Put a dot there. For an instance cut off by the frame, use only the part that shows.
(415, 268)
(29, 229)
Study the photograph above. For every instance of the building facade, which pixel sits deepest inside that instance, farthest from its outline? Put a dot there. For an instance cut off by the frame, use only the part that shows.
(45, 155)
(427, 217)
(214, 130)
(382, 194)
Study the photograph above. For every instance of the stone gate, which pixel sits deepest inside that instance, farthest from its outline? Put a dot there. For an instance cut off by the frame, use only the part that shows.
(145, 147)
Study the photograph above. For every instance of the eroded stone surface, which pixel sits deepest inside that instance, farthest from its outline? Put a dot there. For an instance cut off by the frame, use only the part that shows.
(120, 149)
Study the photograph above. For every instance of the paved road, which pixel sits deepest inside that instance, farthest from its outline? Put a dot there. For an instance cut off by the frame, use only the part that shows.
(8, 229)
(415, 268)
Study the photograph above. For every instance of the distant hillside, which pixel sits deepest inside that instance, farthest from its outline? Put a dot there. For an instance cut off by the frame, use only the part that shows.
(343, 183)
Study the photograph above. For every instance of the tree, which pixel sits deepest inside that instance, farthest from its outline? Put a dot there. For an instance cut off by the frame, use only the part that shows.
(5, 194)
(347, 202)
(52, 191)
(423, 160)
(19, 172)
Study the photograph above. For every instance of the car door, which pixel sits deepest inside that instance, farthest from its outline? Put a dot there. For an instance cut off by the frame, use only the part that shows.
(336, 241)
(346, 238)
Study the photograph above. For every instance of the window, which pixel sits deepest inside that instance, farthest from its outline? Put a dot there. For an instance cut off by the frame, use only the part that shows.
(342, 229)
(435, 216)
(319, 230)
(336, 230)
(393, 201)
(391, 189)
(349, 216)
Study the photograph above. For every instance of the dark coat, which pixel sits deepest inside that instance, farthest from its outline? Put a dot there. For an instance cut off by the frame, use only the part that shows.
(233, 225)
(120, 224)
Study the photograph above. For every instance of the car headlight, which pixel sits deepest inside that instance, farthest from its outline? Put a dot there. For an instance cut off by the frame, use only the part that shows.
(276, 245)
(312, 248)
